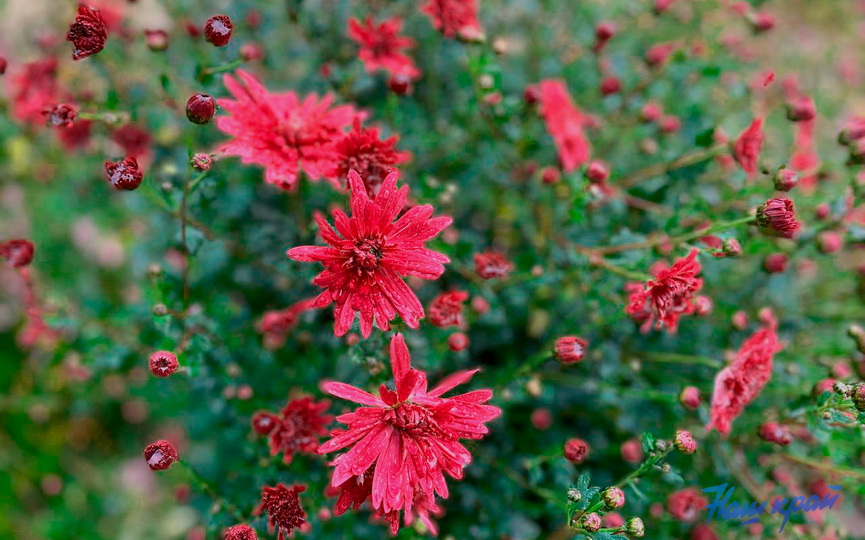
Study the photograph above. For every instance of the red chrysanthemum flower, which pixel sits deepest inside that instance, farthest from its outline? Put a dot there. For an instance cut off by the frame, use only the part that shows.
(381, 46)
(408, 437)
(368, 254)
(575, 450)
(240, 532)
(282, 504)
(33, 89)
(564, 123)
(281, 132)
(491, 264)
(455, 18)
(300, 424)
(667, 297)
(277, 323)
(685, 504)
(739, 383)
(746, 151)
(18, 251)
(124, 174)
(263, 422)
(163, 363)
(160, 455)
(778, 216)
(88, 33)
(774, 432)
(446, 309)
(362, 150)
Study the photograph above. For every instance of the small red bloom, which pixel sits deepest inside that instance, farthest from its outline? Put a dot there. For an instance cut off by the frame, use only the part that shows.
(263, 422)
(565, 124)
(381, 46)
(685, 442)
(362, 150)
(88, 33)
(408, 437)
(667, 297)
(18, 252)
(658, 54)
(455, 18)
(302, 421)
(746, 151)
(282, 133)
(447, 309)
(670, 124)
(200, 108)
(739, 383)
(778, 216)
(775, 263)
(251, 51)
(570, 349)
(801, 109)
(610, 85)
(632, 451)
(124, 174)
(240, 532)
(491, 264)
(163, 363)
(774, 432)
(576, 450)
(217, 30)
(686, 503)
(689, 397)
(458, 341)
(369, 253)
(201, 162)
(60, 115)
(597, 172)
(160, 455)
(282, 504)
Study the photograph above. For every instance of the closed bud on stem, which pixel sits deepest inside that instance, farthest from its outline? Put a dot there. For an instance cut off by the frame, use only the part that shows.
(591, 522)
(217, 30)
(635, 527)
(613, 497)
(200, 108)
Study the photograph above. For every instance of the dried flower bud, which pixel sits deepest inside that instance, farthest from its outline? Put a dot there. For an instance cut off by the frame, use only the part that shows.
(458, 341)
(217, 30)
(60, 115)
(240, 532)
(87, 33)
(400, 84)
(786, 179)
(597, 172)
(591, 522)
(779, 217)
(576, 450)
(689, 397)
(124, 174)
(157, 40)
(163, 363)
(774, 432)
(685, 442)
(18, 252)
(570, 349)
(574, 495)
(635, 527)
(201, 162)
(613, 497)
(160, 455)
(200, 108)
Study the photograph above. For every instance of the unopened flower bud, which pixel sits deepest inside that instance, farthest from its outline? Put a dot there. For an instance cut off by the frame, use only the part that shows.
(160, 310)
(610, 85)
(217, 30)
(458, 341)
(830, 241)
(200, 108)
(689, 397)
(570, 349)
(731, 247)
(597, 172)
(124, 174)
(775, 433)
(18, 252)
(157, 40)
(251, 51)
(160, 455)
(574, 495)
(685, 442)
(651, 112)
(858, 397)
(635, 527)
(201, 162)
(163, 363)
(613, 497)
(550, 175)
(576, 450)
(785, 179)
(801, 109)
(240, 532)
(400, 84)
(591, 522)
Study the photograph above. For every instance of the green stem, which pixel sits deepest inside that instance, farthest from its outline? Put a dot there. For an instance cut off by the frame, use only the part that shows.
(672, 358)
(202, 485)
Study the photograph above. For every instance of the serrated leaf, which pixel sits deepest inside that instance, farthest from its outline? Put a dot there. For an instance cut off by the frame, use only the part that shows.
(648, 441)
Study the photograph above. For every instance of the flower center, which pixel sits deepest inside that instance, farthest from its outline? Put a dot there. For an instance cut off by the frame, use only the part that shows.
(366, 254)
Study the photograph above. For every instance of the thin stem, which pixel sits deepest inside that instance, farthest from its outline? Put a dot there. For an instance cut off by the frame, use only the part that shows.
(610, 267)
(202, 485)
(658, 169)
(827, 467)
(672, 358)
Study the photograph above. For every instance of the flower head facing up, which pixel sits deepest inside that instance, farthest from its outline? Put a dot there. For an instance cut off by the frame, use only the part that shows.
(565, 124)
(369, 253)
(401, 442)
(362, 150)
(282, 504)
(281, 132)
(667, 297)
(455, 18)
(739, 383)
(381, 46)
(163, 363)
(746, 151)
(778, 216)
(298, 428)
(87, 33)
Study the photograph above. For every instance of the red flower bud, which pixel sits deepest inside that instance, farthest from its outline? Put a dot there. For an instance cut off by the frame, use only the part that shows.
(157, 40)
(822, 211)
(650, 112)
(662, 6)
(570, 349)
(632, 451)
(685, 442)
(18, 252)
(597, 172)
(746, 151)
(400, 84)
(532, 94)
(659, 54)
(613, 497)
(217, 30)
(240, 532)
(830, 241)
(541, 419)
(60, 115)
(591, 522)
(264, 422)
(702, 306)
(779, 217)
(786, 179)
(775, 433)
(801, 109)
(610, 85)
(124, 174)
(491, 264)
(689, 397)
(550, 175)
(731, 247)
(605, 31)
(670, 124)
(163, 363)
(576, 450)
(458, 341)
(160, 455)
(858, 397)
(87, 33)
(200, 108)
(251, 51)
(775, 263)
(201, 162)
(763, 22)
(3, 65)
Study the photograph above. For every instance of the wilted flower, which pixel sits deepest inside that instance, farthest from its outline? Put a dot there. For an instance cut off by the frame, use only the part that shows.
(88, 33)
(282, 504)
(666, 298)
(779, 217)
